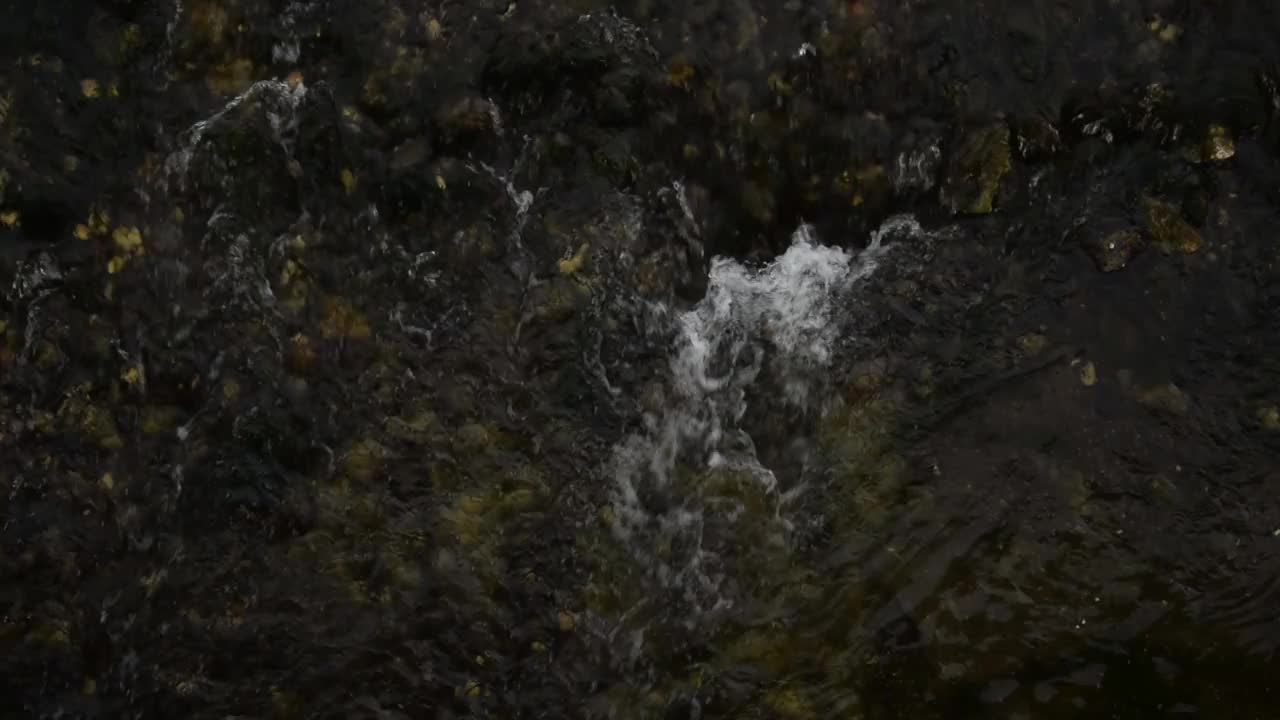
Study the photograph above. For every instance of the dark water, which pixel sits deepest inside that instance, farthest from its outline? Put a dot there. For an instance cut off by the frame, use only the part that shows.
(327, 326)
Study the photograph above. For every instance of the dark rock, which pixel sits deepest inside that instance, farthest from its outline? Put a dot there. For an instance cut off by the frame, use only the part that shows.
(1035, 138)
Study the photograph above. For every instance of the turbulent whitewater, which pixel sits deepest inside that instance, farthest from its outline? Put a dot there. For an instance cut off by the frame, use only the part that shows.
(773, 322)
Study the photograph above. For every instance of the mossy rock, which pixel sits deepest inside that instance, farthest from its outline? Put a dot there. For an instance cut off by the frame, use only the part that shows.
(1269, 418)
(1168, 230)
(363, 460)
(158, 419)
(1166, 398)
(613, 159)
(1113, 251)
(975, 170)
(97, 423)
(559, 299)
(413, 426)
(473, 439)
(465, 116)
(1218, 144)
(340, 320)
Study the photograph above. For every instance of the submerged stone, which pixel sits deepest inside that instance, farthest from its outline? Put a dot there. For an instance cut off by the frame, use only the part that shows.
(472, 439)
(1269, 418)
(975, 170)
(1113, 251)
(340, 320)
(465, 116)
(363, 460)
(1168, 398)
(207, 23)
(1218, 144)
(1088, 375)
(231, 77)
(1032, 343)
(1168, 230)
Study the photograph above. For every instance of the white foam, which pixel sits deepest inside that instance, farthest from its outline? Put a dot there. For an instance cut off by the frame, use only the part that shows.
(774, 319)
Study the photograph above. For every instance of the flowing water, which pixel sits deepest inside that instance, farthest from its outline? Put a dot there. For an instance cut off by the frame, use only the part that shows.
(568, 359)
(775, 320)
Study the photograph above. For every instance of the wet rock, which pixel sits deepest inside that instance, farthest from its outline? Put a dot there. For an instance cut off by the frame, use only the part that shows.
(466, 117)
(601, 40)
(1218, 144)
(870, 185)
(408, 154)
(1029, 35)
(1088, 374)
(300, 356)
(614, 160)
(472, 438)
(416, 426)
(1114, 250)
(231, 77)
(975, 169)
(1113, 115)
(1032, 343)
(207, 23)
(1167, 398)
(1168, 230)
(363, 460)
(1269, 418)
(155, 420)
(916, 169)
(758, 201)
(340, 320)
(574, 264)
(1150, 112)
(1035, 138)
(559, 299)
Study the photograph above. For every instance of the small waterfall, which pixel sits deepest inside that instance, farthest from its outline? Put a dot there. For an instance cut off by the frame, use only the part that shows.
(774, 321)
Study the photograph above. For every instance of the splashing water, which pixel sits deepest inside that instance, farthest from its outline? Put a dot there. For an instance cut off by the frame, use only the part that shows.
(774, 320)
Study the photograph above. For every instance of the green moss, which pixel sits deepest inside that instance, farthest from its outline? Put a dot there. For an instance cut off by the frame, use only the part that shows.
(770, 650)
(416, 426)
(54, 633)
(975, 171)
(363, 459)
(855, 440)
(208, 23)
(478, 518)
(788, 704)
(157, 419)
(48, 356)
(472, 439)
(1032, 343)
(559, 298)
(340, 320)
(99, 424)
